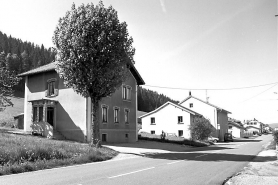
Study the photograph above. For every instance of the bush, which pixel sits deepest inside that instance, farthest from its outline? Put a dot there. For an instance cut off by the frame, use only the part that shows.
(201, 128)
(275, 136)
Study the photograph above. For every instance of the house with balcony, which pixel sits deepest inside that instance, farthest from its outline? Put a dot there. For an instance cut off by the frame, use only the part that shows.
(53, 109)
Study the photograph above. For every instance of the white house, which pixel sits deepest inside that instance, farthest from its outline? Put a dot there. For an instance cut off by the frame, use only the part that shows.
(218, 116)
(169, 118)
(254, 125)
(236, 129)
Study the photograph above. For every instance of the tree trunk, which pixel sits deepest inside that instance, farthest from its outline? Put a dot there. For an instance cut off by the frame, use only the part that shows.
(95, 124)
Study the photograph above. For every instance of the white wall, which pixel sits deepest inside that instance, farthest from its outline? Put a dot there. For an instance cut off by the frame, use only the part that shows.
(206, 110)
(236, 132)
(166, 119)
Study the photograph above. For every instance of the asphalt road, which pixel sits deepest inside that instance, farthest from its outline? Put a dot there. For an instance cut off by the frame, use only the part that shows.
(207, 165)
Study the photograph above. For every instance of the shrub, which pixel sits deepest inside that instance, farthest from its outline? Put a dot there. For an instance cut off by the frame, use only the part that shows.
(275, 136)
(201, 128)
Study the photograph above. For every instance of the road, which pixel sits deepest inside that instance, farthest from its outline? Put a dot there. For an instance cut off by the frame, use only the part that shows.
(206, 165)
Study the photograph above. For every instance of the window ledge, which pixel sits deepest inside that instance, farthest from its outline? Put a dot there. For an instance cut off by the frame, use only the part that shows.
(181, 123)
(153, 124)
(126, 100)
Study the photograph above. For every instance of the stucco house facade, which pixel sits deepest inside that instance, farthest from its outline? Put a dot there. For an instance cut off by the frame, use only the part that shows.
(52, 108)
(218, 116)
(170, 118)
(236, 129)
(253, 125)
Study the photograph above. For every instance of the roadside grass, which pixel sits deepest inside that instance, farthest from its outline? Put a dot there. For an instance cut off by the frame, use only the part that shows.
(271, 146)
(7, 116)
(176, 140)
(22, 153)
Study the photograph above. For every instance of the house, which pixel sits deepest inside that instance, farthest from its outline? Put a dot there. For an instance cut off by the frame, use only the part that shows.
(258, 126)
(235, 128)
(53, 109)
(252, 128)
(218, 116)
(139, 121)
(170, 118)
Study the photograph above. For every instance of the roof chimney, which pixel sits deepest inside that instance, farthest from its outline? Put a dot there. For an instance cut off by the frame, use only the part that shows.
(189, 93)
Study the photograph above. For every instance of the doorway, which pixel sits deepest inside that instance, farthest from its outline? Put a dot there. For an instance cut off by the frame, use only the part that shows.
(50, 115)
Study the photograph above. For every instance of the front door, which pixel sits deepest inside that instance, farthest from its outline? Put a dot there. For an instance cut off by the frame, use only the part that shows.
(50, 115)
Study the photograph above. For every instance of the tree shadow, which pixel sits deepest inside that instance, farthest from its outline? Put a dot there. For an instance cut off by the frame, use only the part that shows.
(215, 157)
(166, 146)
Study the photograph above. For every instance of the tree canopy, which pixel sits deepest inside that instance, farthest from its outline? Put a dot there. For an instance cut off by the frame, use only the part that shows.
(93, 51)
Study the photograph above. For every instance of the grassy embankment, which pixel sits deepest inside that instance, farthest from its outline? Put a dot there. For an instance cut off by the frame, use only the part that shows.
(20, 153)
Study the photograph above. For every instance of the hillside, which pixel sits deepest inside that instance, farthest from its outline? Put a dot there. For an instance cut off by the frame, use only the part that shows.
(273, 125)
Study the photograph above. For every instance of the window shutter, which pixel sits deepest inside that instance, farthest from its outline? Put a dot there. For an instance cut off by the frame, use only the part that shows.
(56, 92)
(46, 89)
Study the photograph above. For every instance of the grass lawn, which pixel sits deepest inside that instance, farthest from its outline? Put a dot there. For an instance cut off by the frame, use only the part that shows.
(22, 153)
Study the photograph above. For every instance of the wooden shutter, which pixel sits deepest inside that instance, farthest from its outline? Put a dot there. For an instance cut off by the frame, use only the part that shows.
(56, 87)
(46, 89)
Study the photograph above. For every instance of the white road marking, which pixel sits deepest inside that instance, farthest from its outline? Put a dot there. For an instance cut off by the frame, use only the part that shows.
(201, 155)
(174, 162)
(131, 172)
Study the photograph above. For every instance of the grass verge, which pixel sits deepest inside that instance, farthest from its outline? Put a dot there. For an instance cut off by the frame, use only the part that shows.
(176, 140)
(20, 153)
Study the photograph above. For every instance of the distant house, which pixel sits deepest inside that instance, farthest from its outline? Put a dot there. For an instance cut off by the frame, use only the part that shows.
(235, 128)
(170, 118)
(258, 126)
(139, 121)
(252, 129)
(56, 110)
(218, 116)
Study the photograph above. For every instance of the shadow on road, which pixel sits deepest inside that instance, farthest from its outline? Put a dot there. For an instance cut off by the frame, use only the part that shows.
(216, 157)
(152, 145)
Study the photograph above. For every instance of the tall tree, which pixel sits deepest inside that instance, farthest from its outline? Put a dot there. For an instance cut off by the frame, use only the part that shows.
(93, 51)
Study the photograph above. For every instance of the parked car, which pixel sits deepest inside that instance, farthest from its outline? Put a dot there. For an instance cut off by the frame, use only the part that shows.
(213, 139)
(228, 137)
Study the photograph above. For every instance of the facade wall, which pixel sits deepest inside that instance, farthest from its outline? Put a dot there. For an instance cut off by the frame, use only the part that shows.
(166, 119)
(236, 132)
(117, 132)
(70, 110)
(222, 124)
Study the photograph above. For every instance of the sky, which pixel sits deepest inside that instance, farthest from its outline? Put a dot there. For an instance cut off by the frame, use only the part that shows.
(183, 44)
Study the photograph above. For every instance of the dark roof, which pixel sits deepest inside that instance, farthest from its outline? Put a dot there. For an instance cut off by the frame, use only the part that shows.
(205, 103)
(51, 67)
(235, 124)
(173, 104)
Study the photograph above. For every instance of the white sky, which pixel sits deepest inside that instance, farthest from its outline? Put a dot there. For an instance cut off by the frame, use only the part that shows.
(183, 44)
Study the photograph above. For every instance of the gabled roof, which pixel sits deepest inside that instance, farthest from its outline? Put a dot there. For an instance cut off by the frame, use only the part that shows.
(235, 124)
(51, 67)
(218, 108)
(250, 126)
(173, 104)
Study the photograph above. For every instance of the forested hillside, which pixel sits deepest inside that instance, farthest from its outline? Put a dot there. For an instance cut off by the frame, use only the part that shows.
(150, 100)
(21, 56)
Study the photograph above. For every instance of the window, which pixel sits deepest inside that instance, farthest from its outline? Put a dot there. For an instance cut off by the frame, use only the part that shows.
(180, 133)
(190, 105)
(126, 92)
(104, 137)
(152, 132)
(180, 119)
(126, 116)
(126, 136)
(51, 88)
(116, 114)
(37, 113)
(104, 114)
(40, 113)
(255, 123)
(230, 127)
(153, 121)
(35, 109)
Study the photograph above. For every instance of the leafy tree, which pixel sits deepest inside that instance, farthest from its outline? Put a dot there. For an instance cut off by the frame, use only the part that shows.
(93, 52)
(201, 128)
(7, 80)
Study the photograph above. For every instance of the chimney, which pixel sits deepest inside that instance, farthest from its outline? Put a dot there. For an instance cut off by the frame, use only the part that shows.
(189, 93)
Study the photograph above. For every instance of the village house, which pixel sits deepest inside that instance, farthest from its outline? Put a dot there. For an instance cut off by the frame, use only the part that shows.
(169, 118)
(253, 125)
(236, 128)
(218, 116)
(55, 110)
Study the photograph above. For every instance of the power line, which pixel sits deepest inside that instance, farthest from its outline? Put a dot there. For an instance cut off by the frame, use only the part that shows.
(216, 89)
